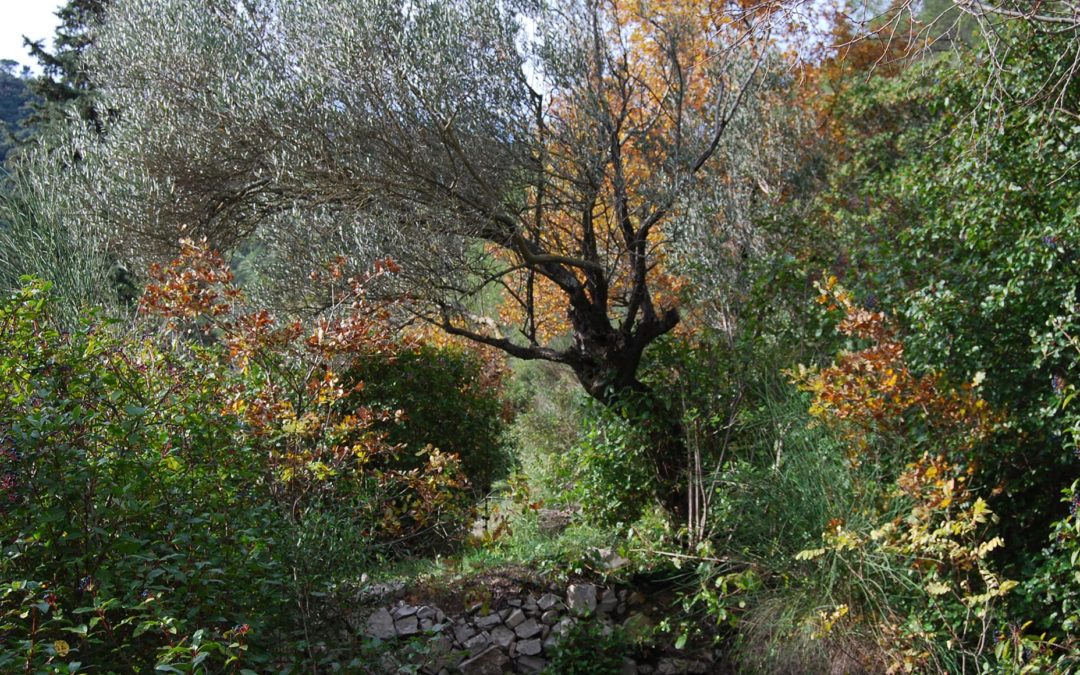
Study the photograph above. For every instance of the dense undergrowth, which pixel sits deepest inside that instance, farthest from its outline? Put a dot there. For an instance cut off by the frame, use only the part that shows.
(175, 505)
(876, 398)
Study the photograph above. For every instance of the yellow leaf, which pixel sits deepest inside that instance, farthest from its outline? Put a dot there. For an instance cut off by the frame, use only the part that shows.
(988, 546)
(979, 510)
(937, 588)
(62, 648)
(809, 554)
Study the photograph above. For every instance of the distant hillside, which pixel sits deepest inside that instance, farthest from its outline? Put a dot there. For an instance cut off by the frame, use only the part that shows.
(14, 95)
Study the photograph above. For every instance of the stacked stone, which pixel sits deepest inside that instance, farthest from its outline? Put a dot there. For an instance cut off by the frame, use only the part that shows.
(517, 638)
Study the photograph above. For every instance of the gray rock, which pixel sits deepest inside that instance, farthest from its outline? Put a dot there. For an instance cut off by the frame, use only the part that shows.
(528, 629)
(514, 602)
(478, 643)
(608, 602)
(407, 626)
(515, 618)
(503, 636)
(379, 592)
(489, 621)
(563, 627)
(439, 657)
(550, 617)
(402, 611)
(552, 522)
(669, 666)
(548, 601)
(380, 625)
(427, 613)
(463, 632)
(531, 664)
(629, 667)
(529, 647)
(581, 599)
(645, 669)
(489, 662)
(638, 626)
(611, 560)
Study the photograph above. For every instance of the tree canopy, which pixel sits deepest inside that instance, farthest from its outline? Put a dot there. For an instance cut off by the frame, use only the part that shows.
(544, 151)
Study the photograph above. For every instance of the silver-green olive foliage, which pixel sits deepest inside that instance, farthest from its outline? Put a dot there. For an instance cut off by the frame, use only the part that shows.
(433, 131)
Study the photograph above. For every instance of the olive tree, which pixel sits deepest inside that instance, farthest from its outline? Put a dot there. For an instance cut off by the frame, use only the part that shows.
(544, 150)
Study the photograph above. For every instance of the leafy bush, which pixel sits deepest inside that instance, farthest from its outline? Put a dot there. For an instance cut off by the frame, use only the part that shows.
(1046, 639)
(609, 466)
(134, 514)
(176, 505)
(450, 399)
(932, 540)
(589, 648)
(862, 540)
(963, 221)
(1047, 642)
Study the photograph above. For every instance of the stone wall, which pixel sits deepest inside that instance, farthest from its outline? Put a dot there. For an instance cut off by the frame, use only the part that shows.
(517, 633)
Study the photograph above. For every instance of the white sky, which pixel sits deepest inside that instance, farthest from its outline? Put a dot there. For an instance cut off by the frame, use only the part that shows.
(36, 19)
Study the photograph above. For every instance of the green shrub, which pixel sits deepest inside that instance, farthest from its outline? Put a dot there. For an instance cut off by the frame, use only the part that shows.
(897, 572)
(963, 221)
(173, 506)
(589, 648)
(548, 407)
(134, 513)
(609, 466)
(450, 401)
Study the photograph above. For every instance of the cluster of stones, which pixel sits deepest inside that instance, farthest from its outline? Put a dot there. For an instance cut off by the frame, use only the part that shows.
(516, 638)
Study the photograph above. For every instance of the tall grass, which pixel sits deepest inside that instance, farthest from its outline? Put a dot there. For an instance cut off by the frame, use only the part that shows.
(791, 481)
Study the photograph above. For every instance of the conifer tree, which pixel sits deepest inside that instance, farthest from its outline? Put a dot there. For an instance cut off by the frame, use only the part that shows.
(65, 81)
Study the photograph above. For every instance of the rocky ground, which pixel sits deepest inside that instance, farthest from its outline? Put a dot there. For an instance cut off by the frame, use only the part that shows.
(514, 629)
